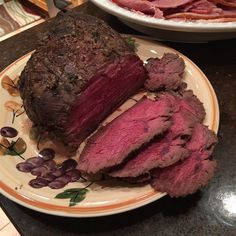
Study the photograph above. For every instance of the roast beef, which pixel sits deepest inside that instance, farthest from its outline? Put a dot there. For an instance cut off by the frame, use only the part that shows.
(167, 149)
(165, 73)
(202, 142)
(163, 151)
(185, 177)
(193, 105)
(78, 75)
(129, 131)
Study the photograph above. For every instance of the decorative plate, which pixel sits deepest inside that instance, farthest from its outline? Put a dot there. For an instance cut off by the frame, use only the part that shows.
(101, 198)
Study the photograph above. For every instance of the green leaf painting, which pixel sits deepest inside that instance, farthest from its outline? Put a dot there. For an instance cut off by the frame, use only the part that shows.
(75, 195)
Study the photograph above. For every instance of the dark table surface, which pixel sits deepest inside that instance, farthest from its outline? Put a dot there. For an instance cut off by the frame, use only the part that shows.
(192, 215)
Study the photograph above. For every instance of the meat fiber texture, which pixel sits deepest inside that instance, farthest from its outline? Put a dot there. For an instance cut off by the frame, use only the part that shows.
(184, 174)
(77, 76)
(185, 177)
(165, 73)
(168, 148)
(128, 132)
(186, 10)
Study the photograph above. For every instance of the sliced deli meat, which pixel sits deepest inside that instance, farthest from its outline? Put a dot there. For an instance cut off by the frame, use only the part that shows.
(128, 132)
(169, 3)
(185, 177)
(77, 76)
(140, 5)
(145, 7)
(220, 17)
(229, 3)
(185, 10)
(202, 7)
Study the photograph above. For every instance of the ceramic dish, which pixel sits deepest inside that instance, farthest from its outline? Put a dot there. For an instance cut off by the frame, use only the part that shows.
(104, 197)
(168, 29)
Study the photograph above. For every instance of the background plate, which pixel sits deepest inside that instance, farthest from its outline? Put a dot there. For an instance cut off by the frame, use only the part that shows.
(183, 31)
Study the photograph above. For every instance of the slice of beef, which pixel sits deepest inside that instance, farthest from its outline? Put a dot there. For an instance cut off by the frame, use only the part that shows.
(77, 76)
(185, 177)
(188, 110)
(135, 127)
(160, 153)
(186, 106)
(165, 150)
(203, 141)
(193, 105)
(165, 73)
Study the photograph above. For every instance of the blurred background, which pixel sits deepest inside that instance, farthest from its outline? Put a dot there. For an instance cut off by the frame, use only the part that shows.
(19, 15)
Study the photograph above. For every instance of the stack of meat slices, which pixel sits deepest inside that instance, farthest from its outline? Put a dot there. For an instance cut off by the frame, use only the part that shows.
(161, 141)
(188, 10)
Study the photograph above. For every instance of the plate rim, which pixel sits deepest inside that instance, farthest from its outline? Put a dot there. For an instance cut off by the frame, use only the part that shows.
(200, 26)
(119, 207)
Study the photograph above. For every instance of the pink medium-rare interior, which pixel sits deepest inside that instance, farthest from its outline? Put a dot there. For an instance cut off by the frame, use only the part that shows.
(109, 88)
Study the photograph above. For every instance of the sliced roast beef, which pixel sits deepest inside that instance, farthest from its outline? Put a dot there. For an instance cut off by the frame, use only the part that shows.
(77, 76)
(203, 141)
(185, 177)
(160, 153)
(135, 127)
(165, 150)
(185, 100)
(165, 73)
(193, 105)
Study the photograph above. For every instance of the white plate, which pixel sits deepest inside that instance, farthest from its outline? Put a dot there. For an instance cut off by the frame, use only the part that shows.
(169, 29)
(104, 198)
